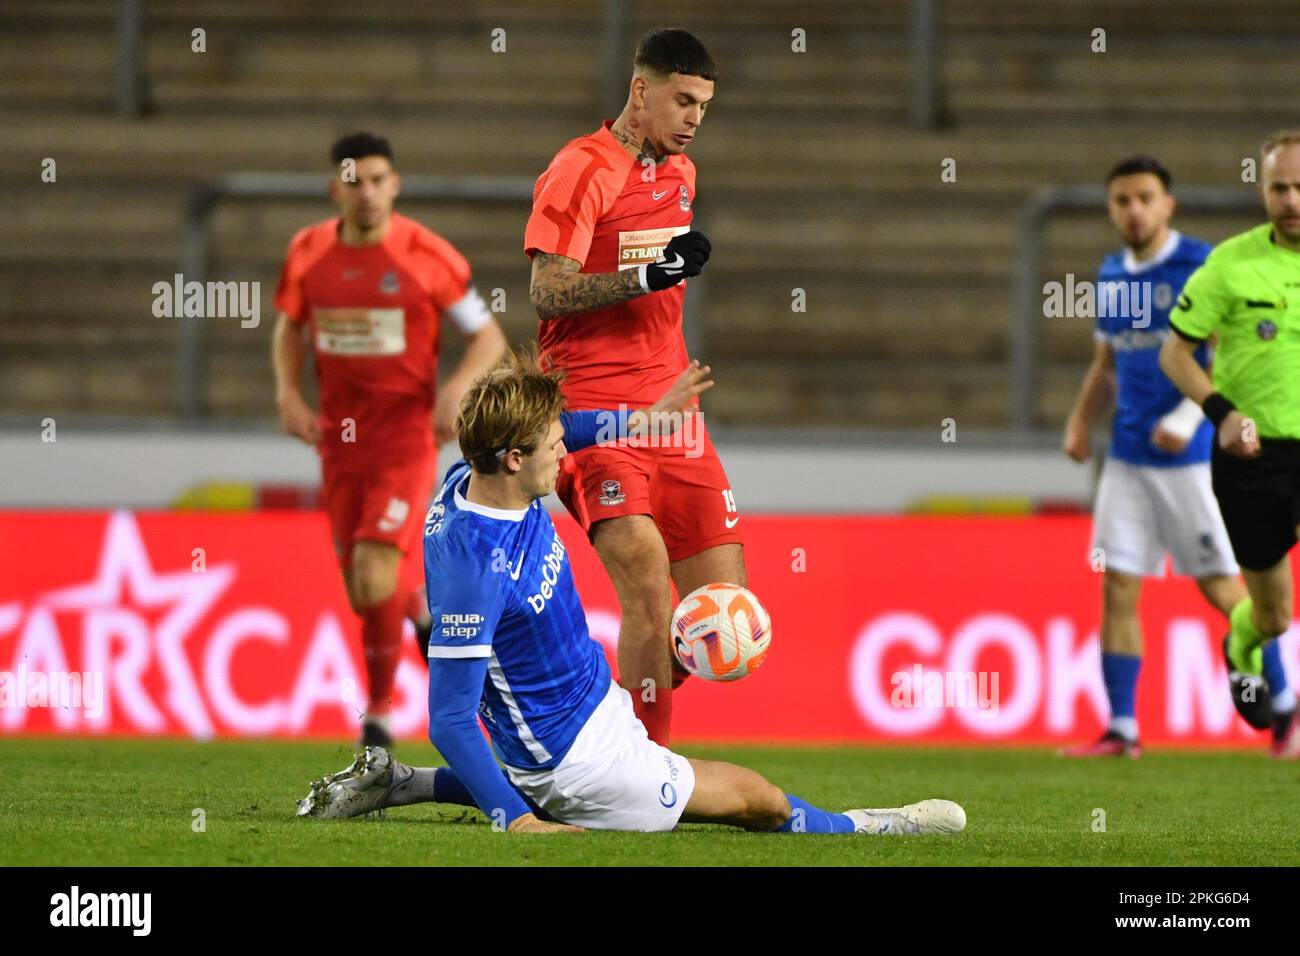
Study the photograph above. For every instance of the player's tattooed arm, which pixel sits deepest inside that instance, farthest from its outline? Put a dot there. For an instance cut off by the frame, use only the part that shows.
(558, 287)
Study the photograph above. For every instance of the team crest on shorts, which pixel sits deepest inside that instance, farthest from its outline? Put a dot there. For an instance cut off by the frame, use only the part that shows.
(1266, 330)
(611, 493)
(389, 285)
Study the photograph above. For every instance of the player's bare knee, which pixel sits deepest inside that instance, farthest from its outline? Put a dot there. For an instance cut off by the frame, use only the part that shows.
(1120, 592)
(373, 585)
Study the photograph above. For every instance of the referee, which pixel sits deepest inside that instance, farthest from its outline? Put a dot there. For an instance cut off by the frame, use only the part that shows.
(1248, 295)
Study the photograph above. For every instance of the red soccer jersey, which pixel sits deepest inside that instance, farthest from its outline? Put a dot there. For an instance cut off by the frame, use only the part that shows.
(598, 205)
(374, 313)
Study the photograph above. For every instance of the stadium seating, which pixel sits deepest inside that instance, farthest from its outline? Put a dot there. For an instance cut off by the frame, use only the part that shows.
(810, 178)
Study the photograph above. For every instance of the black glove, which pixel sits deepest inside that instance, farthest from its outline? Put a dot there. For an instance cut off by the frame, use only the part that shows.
(683, 257)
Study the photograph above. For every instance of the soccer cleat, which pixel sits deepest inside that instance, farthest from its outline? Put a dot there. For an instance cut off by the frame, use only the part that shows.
(1286, 736)
(363, 787)
(928, 816)
(1249, 693)
(374, 734)
(1110, 744)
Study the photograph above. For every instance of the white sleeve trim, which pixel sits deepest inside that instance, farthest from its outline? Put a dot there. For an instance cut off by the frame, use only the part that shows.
(470, 313)
(473, 650)
(640, 274)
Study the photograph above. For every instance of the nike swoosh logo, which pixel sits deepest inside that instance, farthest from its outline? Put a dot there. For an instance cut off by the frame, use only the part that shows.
(519, 565)
(672, 268)
(659, 195)
(731, 522)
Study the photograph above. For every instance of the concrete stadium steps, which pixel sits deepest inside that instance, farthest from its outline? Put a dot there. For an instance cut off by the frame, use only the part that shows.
(828, 391)
(808, 178)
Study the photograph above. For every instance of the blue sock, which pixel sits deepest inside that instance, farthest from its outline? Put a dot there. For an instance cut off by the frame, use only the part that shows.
(806, 818)
(1275, 674)
(447, 788)
(1120, 672)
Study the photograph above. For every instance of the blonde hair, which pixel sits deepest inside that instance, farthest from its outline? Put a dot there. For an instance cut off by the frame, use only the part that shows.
(1283, 137)
(510, 407)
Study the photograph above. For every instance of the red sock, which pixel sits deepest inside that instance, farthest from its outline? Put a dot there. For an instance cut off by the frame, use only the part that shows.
(657, 714)
(381, 639)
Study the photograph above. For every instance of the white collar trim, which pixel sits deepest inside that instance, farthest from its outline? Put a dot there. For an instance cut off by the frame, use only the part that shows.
(500, 514)
(1171, 244)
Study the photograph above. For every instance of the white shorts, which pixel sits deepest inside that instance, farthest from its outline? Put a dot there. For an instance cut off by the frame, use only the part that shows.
(1144, 511)
(614, 777)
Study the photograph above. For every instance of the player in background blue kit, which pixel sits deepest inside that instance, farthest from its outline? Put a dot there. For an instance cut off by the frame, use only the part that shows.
(1155, 494)
(510, 645)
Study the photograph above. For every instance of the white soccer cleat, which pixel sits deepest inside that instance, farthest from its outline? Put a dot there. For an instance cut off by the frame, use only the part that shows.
(361, 788)
(928, 816)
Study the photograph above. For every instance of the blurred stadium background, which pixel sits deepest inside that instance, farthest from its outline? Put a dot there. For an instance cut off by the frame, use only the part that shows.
(820, 171)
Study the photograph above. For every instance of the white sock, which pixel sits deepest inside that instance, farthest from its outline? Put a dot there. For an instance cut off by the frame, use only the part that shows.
(1126, 727)
(1284, 702)
(379, 720)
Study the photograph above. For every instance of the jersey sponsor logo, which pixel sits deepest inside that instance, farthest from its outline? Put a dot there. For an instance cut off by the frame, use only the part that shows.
(685, 201)
(611, 493)
(1266, 330)
(642, 246)
(394, 515)
(360, 331)
(350, 274)
(656, 195)
(551, 566)
(388, 285)
(667, 796)
(1135, 340)
(461, 625)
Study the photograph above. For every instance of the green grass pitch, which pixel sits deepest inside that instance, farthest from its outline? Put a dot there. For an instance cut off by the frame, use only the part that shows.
(118, 802)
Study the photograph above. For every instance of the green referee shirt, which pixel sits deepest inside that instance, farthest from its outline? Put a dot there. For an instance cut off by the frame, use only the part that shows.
(1248, 292)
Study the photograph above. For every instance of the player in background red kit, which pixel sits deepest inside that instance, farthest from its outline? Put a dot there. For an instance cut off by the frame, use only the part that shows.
(369, 288)
(611, 242)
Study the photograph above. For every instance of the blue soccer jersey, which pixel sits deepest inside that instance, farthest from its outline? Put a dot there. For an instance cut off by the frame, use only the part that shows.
(500, 588)
(1133, 303)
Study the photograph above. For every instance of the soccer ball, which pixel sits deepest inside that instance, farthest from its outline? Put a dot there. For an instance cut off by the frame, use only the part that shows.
(721, 632)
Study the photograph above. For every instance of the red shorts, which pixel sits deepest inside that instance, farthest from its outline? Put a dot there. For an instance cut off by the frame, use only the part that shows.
(385, 504)
(684, 489)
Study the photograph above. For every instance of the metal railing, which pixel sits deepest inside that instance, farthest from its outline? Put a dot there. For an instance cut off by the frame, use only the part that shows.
(1034, 219)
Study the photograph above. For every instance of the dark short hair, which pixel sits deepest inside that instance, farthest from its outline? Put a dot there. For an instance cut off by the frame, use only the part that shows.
(1142, 164)
(672, 50)
(359, 146)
